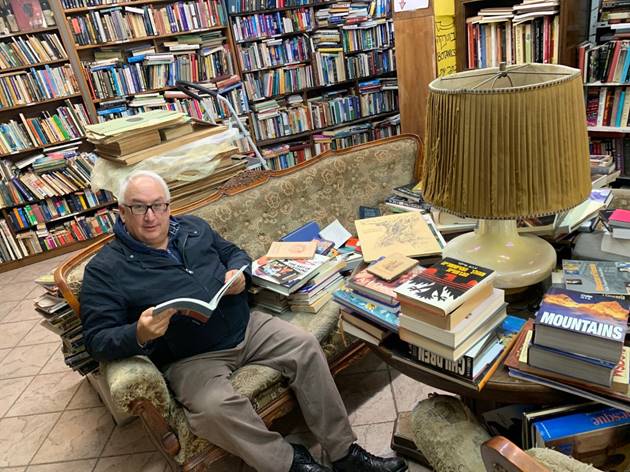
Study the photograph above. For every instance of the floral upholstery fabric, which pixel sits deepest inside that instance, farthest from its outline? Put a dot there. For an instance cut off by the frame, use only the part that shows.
(332, 188)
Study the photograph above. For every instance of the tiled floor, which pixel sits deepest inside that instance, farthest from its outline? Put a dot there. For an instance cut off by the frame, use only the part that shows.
(52, 421)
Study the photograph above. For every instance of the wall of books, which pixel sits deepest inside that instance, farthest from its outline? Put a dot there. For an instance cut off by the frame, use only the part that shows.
(45, 204)
(605, 64)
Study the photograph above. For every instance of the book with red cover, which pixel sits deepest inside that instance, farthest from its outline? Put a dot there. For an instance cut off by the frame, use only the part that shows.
(28, 14)
(620, 218)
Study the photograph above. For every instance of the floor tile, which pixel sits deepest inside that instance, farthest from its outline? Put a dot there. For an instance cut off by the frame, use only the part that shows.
(17, 291)
(376, 438)
(10, 390)
(20, 311)
(13, 469)
(6, 308)
(26, 360)
(79, 434)
(39, 335)
(408, 392)
(86, 397)
(20, 437)
(368, 363)
(368, 397)
(46, 393)
(415, 467)
(128, 439)
(12, 333)
(147, 462)
(55, 363)
(72, 466)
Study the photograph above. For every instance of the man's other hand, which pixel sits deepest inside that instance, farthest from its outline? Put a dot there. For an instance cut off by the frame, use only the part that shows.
(150, 327)
(239, 284)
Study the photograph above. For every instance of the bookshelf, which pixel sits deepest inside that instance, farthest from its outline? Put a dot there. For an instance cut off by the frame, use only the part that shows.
(559, 35)
(604, 62)
(42, 111)
(308, 69)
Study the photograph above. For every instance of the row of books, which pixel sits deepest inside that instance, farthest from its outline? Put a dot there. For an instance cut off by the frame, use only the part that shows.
(356, 134)
(130, 22)
(606, 63)
(607, 106)
(266, 84)
(273, 120)
(617, 147)
(42, 239)
(273, 53)
(36, 85)
(19, 187)
(22, 51)
(266, 25)
(283, 156)
(372, 63)
(527, 32)
(373, 34)
(55, 208)
(65, 123)
(155, 71)
(348, 13)
(20, 17)
(59, 318)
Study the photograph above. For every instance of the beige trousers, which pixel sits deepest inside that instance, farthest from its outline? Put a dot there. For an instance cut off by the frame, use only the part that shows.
(226, 418)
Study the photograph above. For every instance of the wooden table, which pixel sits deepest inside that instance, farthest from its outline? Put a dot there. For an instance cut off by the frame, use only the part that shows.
(501, 388)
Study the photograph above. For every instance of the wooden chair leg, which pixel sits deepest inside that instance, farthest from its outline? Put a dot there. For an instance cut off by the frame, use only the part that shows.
(501, 454)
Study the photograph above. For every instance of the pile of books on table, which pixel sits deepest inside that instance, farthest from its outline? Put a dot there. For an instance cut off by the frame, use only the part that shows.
(59, 318)
(576, 344)
(453, 322)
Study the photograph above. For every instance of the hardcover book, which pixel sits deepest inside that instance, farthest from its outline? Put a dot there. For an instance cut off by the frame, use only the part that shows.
(609, 278)
(588, 324)
(292, 250)
(444, 286)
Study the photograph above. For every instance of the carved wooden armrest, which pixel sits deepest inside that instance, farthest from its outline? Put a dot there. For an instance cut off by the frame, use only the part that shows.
(499, 453)
(156, 425)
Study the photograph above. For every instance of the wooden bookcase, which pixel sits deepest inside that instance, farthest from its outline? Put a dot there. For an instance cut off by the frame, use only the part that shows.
(573, 22)
(21, 112)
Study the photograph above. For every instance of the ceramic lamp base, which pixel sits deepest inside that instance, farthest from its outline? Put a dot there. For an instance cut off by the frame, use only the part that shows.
(519, 260)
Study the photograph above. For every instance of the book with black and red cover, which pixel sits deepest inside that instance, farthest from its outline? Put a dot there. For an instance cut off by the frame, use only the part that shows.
(588, 324)
(444, 286)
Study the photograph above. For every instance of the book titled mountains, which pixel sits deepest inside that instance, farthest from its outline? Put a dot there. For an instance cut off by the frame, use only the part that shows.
(444, 286)
(582, 323)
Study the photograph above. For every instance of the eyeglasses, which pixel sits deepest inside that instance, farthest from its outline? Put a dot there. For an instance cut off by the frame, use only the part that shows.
(140, 209)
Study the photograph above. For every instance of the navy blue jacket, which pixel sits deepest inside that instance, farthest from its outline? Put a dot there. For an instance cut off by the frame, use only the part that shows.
(126, 277)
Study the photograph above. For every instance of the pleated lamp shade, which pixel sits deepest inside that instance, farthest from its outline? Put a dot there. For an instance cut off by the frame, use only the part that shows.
(509, 143)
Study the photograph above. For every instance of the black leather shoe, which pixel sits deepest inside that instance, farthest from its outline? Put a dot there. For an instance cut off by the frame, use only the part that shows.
(358, 459)
(304, 462)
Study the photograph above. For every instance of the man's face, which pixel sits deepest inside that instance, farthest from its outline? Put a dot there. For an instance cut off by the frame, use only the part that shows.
(151, 227)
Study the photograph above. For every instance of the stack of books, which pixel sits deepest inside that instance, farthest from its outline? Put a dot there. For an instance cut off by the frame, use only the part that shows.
(59, 318)
(318, 290)
(449, 307)
(603, 169)
(286, 276)
(576, 344)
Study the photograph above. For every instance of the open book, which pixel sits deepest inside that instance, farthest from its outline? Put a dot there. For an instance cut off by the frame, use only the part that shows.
(199, 309)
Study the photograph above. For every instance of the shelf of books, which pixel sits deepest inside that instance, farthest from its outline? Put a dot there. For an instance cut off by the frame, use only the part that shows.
(318, 75)
(46, 207)
(604, 63)
(518, 32)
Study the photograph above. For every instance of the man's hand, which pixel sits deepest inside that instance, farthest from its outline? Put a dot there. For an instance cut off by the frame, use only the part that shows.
(150, 327)
(239, 284)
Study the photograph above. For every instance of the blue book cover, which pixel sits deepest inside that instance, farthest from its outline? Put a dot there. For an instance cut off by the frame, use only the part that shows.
(584, 313)
(582, 422)
(373, 311)
(306, 232)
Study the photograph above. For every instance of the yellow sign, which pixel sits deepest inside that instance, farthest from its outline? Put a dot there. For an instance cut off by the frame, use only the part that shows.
(444, 8)
(445, 45)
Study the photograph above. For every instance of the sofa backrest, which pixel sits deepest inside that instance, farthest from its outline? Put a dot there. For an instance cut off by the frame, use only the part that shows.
(253, 214)
(330, 187)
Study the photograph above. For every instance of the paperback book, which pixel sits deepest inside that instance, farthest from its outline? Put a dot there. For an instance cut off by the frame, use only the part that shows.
(608, 278)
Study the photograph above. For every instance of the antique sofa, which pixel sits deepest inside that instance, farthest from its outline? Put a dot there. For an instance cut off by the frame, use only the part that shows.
(252, 210)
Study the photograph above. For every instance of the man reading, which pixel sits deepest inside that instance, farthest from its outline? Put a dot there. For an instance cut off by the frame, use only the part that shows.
(156, 257)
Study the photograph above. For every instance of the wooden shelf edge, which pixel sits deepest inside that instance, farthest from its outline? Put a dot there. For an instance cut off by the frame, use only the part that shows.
(43, 102)
(37, 64)
(7, 266)
(64, 217)
(41, 148)
(41, 30)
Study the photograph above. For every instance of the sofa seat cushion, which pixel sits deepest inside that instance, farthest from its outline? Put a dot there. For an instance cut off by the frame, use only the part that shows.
(262, 384)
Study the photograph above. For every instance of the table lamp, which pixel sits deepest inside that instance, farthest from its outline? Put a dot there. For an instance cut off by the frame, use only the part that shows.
(504, 143)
